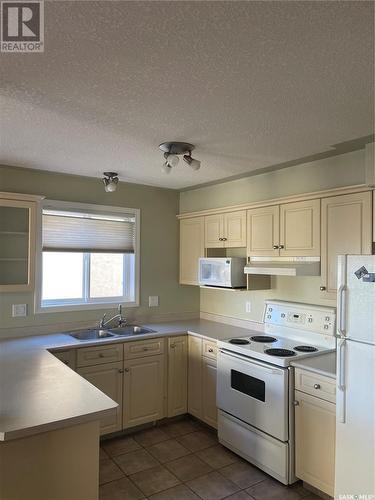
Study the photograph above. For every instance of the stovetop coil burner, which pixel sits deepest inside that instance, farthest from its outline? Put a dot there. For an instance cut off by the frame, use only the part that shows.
(239, 341)
(263, 338)
(305, 348)
(280, 352)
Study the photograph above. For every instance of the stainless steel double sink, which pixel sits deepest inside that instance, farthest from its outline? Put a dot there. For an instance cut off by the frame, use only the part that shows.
(100, 333)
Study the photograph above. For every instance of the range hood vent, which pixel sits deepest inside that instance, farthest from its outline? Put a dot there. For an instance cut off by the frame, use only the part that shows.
(284, 266)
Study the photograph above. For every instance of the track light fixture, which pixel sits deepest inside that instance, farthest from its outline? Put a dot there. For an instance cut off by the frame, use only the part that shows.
(171, 151)
(110, 181)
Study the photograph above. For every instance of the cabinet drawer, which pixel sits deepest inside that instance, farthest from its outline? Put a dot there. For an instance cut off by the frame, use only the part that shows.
(97, 355)
(209, 349)
(68, 357)
(317, 385)
(142, 348)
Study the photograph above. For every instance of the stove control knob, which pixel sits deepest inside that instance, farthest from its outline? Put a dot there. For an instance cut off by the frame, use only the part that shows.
(268, 316)
(283, 315)
(316, 386)
(295, 403)
(326, 327)
(310, 320)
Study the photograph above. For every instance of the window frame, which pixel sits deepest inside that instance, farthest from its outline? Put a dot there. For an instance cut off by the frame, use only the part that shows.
(98, 303)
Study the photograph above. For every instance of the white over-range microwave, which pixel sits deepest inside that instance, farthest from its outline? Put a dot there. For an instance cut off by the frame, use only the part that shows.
(225, 272)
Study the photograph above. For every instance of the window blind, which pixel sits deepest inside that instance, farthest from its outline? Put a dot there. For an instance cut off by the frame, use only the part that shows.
(88, 232)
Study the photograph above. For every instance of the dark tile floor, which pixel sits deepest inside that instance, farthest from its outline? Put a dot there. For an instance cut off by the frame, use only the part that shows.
(182, 460)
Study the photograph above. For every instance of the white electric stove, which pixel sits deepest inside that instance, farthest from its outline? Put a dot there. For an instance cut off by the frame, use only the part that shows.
(255, 383)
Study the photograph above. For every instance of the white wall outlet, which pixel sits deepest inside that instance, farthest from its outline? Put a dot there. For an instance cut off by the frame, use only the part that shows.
(248, 306)
(19, 310)
(153, 301)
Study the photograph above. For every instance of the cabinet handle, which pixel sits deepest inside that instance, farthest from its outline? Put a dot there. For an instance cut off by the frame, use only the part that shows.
(322, 288)
(101, 355)
(127, 370)
(225, 239)
(173, 346)
(145, 348)
(66, 362)
(121, 371)
(275, 247)
(281, 247)
(220, 239)
(295, 403)
(316, 386)
(210, 349)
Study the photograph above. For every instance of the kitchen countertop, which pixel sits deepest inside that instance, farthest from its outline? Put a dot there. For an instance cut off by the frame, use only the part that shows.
(325, 364)
(39, 393)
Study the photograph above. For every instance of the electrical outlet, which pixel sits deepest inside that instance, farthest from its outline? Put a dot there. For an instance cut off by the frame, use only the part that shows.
(153, 301)
(19, 310)
(248, 306)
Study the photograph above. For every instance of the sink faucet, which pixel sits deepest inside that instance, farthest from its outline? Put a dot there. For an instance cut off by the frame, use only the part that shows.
(118, 316)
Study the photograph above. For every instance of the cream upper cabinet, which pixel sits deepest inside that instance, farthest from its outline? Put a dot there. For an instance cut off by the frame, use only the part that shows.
(144, 390)
(107, 377)
(225, 230)
(288, 230)
(209, 409)
(300, 229)
(177, 375)
(315, 428)
(214, 231)
(195, 376)
(191, 249)
(346, 229)
(263, 231)
(17, 243)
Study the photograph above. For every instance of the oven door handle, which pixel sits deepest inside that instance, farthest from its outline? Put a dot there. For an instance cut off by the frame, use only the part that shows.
(275, 371)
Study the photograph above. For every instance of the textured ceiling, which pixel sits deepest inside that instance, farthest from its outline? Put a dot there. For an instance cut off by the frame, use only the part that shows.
(252, 84)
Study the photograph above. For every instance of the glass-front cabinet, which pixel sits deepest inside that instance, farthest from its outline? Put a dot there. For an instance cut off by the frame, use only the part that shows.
(17, 242)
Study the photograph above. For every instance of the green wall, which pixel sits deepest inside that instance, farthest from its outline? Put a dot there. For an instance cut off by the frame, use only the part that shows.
(335, 172)
(338, 171)
(159, 244)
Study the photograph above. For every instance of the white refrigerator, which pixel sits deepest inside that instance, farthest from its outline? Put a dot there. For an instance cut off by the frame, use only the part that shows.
(355, 403)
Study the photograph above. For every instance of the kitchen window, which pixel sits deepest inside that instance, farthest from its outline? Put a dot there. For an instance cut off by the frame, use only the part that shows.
(89, 257)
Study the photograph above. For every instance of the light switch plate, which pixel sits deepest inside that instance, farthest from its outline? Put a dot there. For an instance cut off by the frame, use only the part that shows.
(153, 301)
(19, 310)
(248, 306)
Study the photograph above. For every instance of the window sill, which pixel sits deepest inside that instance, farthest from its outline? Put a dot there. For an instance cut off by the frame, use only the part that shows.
(83, 307)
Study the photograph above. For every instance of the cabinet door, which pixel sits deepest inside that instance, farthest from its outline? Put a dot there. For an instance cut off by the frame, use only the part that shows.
(315, 429)
(235, 229)
(300, 229)
(191, 248)
(144, 390)
(17, 245)
(209, 410)
(214, 231)
(177, 375)
(108, 378)
(67, 356)
(346, 229)
(263, 231)
(195, 376)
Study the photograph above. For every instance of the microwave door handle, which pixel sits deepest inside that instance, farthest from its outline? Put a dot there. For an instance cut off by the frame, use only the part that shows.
(225, 353)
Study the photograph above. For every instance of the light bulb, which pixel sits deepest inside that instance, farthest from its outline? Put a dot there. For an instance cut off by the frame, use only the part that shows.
(195, 164)
(166, 168)
(172, 160)
(110, 187)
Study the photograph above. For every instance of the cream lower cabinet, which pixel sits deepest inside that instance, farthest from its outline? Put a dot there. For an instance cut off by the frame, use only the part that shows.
(177, 375)
(209, 409)
(144, 390)
(202, 380)
(191, 248)
(107, 377)
(315, 429)
(346, 229)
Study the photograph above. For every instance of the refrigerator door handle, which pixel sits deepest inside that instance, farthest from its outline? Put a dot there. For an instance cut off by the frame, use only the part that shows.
(341, 382)
(341, 326)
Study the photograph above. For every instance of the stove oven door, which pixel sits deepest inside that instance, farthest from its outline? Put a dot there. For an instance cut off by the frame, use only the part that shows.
(254, 392)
